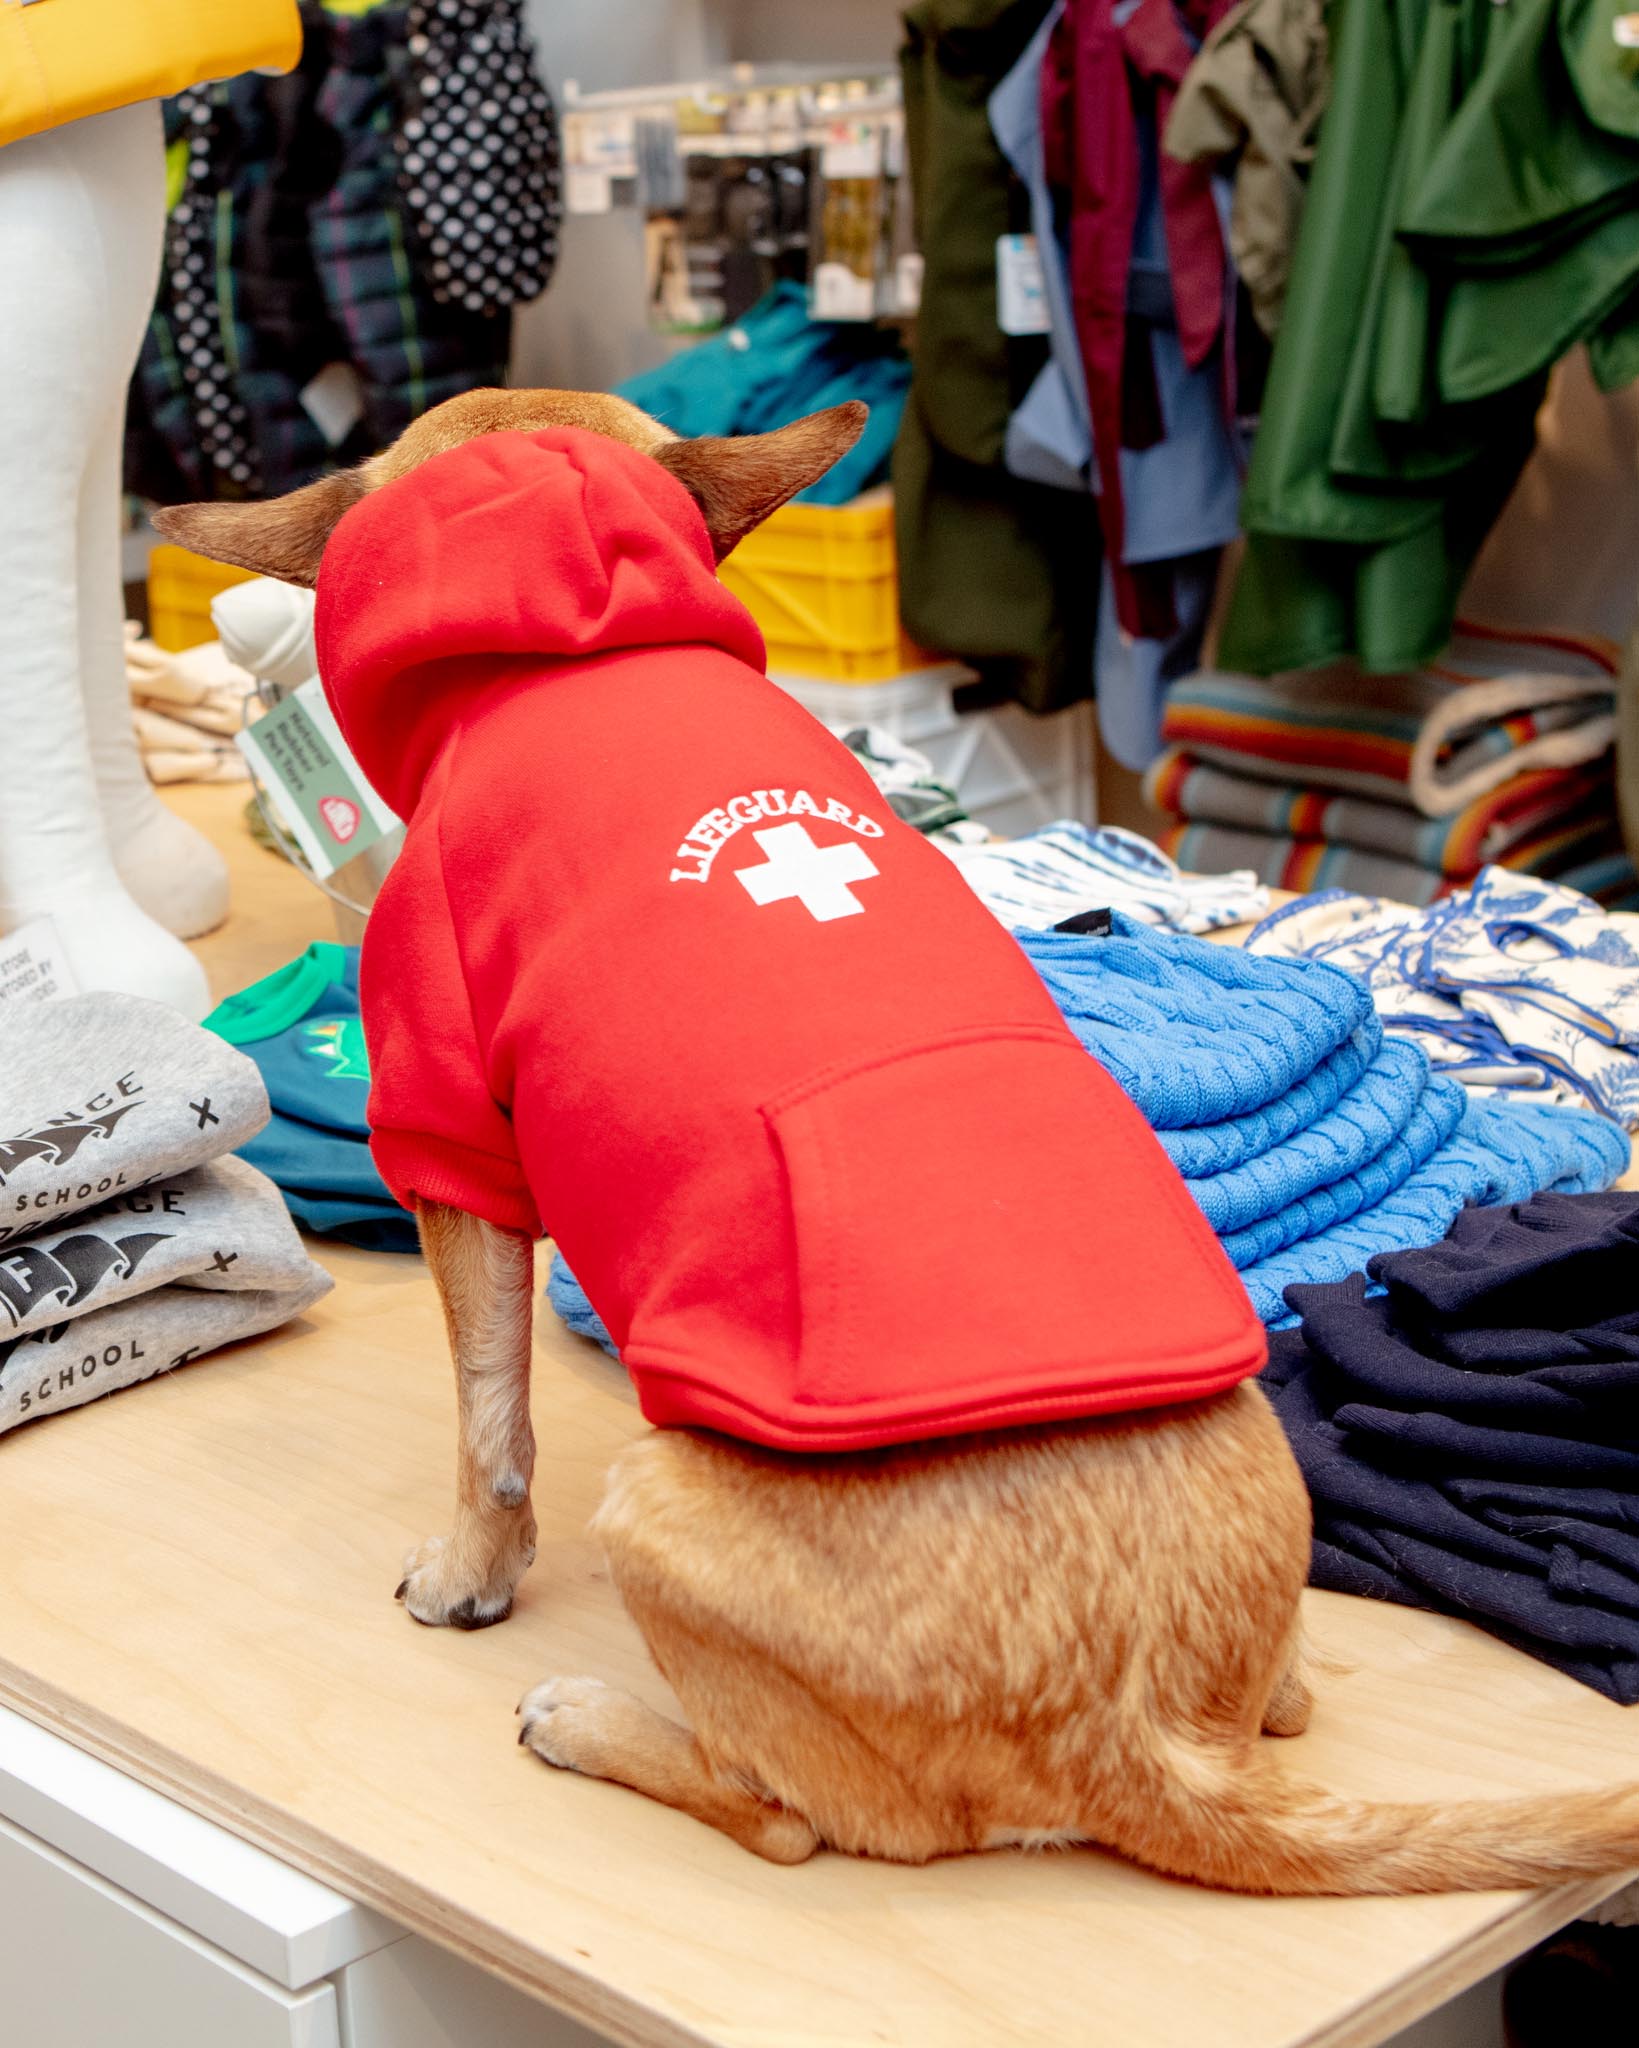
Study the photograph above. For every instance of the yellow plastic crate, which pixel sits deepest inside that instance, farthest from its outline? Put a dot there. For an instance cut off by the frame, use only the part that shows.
(181, 585)
(822, 582)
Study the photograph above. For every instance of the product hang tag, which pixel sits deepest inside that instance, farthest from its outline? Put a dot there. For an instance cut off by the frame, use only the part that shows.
(297, 753)
(334, 401)
(1021, 292)
(32, 965)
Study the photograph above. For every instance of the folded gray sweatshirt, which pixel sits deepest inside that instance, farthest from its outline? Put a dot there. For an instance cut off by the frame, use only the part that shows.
(148, 1281)
(102, 1093)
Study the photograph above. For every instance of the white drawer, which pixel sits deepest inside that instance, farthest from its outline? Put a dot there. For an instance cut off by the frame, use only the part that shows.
(284, 1925)
(84, 1965)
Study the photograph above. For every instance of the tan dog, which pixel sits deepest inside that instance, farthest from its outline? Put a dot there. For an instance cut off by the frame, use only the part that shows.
(879, 1652)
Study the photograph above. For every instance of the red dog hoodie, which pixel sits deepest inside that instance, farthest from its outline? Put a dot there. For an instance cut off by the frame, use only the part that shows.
(659, 971)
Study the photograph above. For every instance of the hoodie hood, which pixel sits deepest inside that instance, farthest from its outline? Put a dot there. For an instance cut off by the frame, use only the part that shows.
(543, 547)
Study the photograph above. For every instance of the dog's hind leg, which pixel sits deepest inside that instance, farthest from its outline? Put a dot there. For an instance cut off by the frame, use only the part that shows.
(580, 1724)
(486, 1282)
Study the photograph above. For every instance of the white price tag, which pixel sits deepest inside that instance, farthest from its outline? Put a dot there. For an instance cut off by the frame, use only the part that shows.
(586, 189)
(32, 966)
(837, 293)
(1021, 291)
(851, 150)
(297, 753)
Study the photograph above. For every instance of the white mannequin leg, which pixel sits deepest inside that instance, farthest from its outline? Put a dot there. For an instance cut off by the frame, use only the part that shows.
(81, 215)
(172, 872)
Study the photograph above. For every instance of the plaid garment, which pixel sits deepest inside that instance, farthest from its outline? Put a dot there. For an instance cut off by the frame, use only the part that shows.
(297, 250)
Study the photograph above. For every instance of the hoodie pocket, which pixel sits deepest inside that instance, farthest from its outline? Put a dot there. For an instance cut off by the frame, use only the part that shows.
(979, 1216)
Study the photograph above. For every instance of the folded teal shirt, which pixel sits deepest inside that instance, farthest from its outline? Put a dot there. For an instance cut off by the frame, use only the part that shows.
(301, 1026)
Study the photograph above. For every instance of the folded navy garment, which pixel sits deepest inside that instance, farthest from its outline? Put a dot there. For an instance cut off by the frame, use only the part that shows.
(1425, 1441)
(1373, 1361)
(1349, 1485)
(1501, 1268)
(1505, 1492)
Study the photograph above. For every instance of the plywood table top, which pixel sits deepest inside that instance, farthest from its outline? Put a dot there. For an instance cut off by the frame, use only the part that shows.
(196, 1583)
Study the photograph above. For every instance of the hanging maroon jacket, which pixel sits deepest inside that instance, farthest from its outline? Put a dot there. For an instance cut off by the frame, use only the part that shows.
(1101, 59)
(659, 970)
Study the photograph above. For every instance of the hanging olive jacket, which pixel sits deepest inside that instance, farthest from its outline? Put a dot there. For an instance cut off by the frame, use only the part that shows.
(1002, 572)
(1469, 220)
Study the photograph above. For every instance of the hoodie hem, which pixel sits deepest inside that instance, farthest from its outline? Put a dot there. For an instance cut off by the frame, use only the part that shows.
(670, 1399)
(416, 1166)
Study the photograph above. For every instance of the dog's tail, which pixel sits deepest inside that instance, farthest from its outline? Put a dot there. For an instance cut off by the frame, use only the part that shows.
(1244, 1825)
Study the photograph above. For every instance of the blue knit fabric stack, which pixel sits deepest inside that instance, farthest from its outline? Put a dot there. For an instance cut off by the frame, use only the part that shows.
(1310, 1140)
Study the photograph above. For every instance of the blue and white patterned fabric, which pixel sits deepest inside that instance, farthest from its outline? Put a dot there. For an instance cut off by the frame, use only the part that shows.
(1036, 882)
(1515, 984)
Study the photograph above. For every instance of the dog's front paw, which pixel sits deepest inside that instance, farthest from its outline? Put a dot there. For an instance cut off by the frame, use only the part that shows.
(566, 1721)
(445, 1588)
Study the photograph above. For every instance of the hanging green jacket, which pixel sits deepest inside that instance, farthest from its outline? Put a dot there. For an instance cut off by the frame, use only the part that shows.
(1473, 214)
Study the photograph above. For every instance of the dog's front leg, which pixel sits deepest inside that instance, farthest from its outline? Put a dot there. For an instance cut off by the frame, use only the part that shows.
(486, 1282)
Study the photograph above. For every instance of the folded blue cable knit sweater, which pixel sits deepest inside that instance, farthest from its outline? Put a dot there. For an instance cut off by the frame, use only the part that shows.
(1436, 1113)
(1216, 1148)
(1196, 1033)
(1309, 1139)
(1339, 1145)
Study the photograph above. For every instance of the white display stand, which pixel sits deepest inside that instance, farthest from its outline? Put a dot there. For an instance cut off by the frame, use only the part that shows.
(1012, 770)
(128, 1922)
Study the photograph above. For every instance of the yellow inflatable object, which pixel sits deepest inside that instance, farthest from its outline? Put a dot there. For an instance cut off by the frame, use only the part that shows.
(63, 59)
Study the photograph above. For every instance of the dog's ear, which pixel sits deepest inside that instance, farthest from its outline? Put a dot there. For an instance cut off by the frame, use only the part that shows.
(738, 481)
(282, 537)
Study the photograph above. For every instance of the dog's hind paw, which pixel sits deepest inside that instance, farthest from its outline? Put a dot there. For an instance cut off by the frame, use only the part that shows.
(567, 1722)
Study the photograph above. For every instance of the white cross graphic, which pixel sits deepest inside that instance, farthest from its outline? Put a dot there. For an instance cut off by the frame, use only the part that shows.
(817, 875)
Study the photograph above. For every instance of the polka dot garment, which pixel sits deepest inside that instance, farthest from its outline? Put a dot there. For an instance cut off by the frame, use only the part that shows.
(220, 422)
(479, 161)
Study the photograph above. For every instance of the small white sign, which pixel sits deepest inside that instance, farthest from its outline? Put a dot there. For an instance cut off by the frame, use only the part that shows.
(851, 149)
(1021, 290)
(586, 189)
(838, 293)
(33, 968)
(334, 401)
